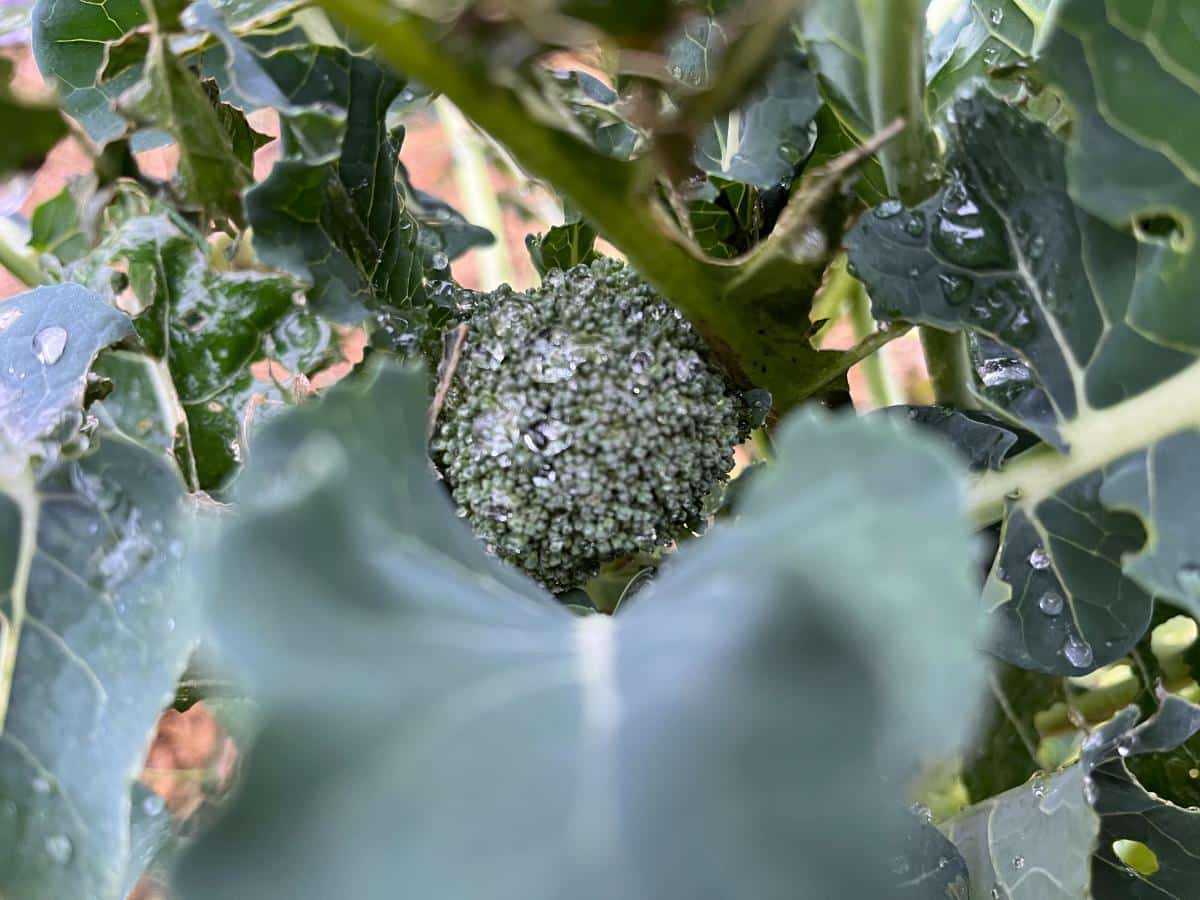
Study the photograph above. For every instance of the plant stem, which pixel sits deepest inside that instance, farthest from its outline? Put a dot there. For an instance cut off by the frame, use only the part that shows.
(479, 197)
(21, 263)
(1095, 438)
(880, 385)
(951, 372)
(894, 42)
(761, 340)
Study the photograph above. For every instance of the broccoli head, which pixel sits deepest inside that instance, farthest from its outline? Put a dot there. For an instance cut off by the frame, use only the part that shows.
(583, 423)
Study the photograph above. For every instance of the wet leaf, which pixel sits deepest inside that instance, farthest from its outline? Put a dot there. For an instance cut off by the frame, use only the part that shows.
(619, 748)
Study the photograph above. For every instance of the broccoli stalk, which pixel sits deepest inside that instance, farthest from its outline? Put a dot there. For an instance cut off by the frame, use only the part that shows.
(584, 422)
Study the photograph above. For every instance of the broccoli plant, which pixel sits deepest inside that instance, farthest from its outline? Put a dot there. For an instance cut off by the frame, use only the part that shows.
(630, 568)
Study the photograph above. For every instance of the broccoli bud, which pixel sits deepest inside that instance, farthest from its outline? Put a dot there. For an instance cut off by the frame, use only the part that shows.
(583, 423)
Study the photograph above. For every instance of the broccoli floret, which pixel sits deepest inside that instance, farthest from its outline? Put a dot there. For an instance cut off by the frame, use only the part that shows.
(584, 422)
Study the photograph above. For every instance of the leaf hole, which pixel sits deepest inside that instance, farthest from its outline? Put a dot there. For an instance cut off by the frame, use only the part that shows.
(1161, 228)
(1137, 856)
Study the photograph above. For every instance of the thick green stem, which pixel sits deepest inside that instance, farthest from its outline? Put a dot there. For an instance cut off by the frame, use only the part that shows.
(1095, 438)
(894, 42)
(951, 373)
(757, 340)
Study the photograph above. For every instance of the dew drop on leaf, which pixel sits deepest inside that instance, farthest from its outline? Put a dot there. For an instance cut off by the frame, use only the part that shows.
(59, 848)
(1051, 603)
(1077, 652)
(1018, 862)
(1188, 577)
(956, 289)
(889, 209)
(997, 15)
(153, 805)
(1039, 559)
(49, 344)
(1039, 787)
(915, 225)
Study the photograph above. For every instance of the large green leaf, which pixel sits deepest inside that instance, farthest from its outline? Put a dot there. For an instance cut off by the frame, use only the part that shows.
(75, 41)
(93, 643)
(339, 223)
(1060, 836)
(1051, 293)
(90, 643)
(71, 40)
(723, 735)
(207, 326)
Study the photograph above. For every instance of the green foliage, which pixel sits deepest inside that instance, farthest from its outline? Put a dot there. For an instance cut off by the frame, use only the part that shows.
(584, 422)
(767, 670)
(649, 737)
(92, 638)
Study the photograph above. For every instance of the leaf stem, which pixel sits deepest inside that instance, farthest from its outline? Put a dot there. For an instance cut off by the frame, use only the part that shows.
(1095, 438)
(21, 263)
(894, 41)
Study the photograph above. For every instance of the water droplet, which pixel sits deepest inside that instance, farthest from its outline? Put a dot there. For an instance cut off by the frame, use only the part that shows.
(914, 273)
(995, 893)
(40, 786)
(640, 361)
(1003, 370)
(49, 344)
(439, 260)
(8, 317)
(1077, 652)
(677, 73)
(59, 848)
(915, 225)
(956, 289)
(889, 209)
(153, 805)
(1193, 774)
(997, 15)
(1188, 577)
(968, 235)
(790, 153)
(1018, 862)
(1020, 329)
(1051, 603)
(1039, 558)
(1038, 787)
(990, 55)
(170, 626)
(1037, 247)
(922, 812)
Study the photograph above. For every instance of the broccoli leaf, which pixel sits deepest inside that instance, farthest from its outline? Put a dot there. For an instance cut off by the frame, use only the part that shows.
(48, 339)
(562, 247)
(1059, 301)
(90, 643)
(771, 133)
(339, 223)
(981, 36)
(642, 755)
(1060, 835)
(208, 327)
